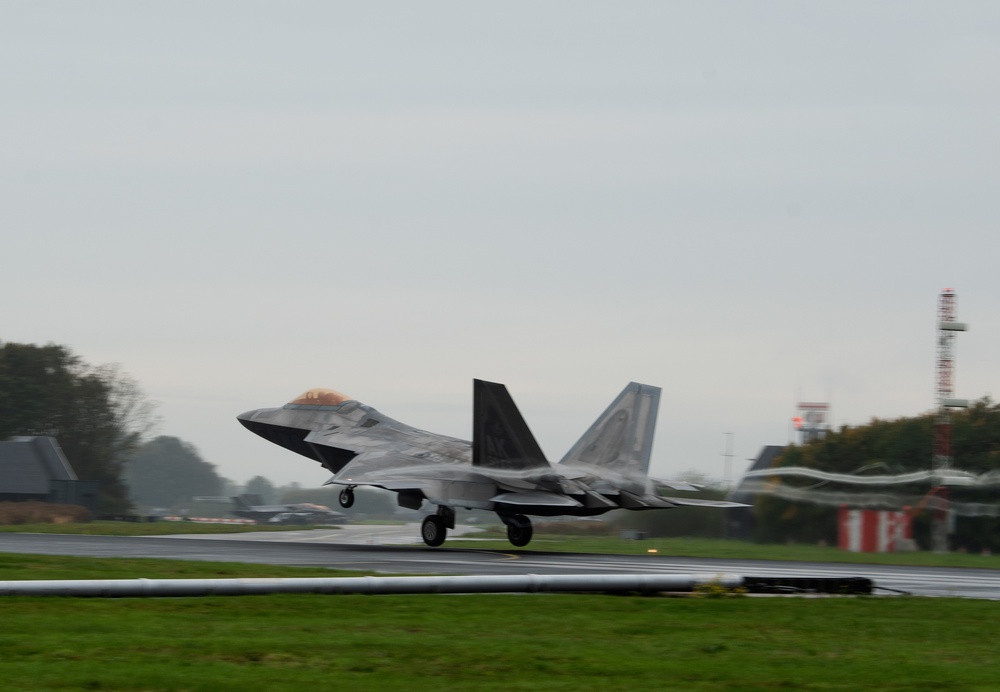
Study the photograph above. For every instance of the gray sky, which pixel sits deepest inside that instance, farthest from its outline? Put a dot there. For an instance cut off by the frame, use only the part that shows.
(743, 203)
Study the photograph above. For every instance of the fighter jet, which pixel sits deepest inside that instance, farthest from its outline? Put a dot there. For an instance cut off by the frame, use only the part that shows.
(250, 506)
(501, 470)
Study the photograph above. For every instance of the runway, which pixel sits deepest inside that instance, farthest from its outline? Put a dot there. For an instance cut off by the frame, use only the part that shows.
(316, 548)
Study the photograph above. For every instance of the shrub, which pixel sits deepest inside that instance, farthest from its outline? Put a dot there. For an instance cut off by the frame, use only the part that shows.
(34, 512)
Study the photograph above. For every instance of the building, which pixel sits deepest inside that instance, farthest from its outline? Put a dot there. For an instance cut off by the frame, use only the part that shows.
(741, 521)
(35, 468)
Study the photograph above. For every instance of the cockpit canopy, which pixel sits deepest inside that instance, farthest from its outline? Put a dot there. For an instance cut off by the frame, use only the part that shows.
(320, 396)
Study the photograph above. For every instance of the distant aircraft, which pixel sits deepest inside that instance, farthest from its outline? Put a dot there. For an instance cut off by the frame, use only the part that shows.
(502, 470)
(251, 506)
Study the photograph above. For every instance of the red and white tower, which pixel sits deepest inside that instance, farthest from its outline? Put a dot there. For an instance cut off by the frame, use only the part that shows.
(941, 460)
(947, 326)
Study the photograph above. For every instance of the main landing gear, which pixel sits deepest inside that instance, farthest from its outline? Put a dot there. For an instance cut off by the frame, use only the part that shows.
(346, 497)
(435, 527)
(519, 531)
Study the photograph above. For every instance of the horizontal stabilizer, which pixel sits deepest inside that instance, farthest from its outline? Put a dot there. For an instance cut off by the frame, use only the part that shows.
(536, 498)
(677, 485)
(622, 437)
(632, 501)
(694, 502)
(500, 438)
(596, 500)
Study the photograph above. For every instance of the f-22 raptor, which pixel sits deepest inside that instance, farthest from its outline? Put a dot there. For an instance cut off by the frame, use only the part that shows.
(250, 506)
(501, 470)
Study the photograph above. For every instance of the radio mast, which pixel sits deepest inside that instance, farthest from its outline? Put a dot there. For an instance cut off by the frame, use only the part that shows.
(942, 459)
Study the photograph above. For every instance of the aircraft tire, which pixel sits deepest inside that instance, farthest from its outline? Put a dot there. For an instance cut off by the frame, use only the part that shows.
(519, 531)
(433, 530)
(346, 498)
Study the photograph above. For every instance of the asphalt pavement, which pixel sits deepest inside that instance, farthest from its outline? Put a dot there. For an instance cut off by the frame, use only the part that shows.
(371, 549)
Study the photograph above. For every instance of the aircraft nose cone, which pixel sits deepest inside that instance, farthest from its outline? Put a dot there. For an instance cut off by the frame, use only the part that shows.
(247, 418)
(257, 419)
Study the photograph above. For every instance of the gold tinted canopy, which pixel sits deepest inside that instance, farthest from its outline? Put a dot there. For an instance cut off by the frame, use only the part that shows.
(320, 396)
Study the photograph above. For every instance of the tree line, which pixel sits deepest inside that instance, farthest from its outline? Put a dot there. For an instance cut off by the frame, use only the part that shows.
(888, 447)
(98, 414)
(102, 420)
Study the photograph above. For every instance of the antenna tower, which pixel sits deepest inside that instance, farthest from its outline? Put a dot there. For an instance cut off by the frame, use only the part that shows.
(947, 326)
(941, 461)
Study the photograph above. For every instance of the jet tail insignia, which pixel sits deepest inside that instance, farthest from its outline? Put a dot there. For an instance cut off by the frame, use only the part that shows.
(500, 437)
(622, 437)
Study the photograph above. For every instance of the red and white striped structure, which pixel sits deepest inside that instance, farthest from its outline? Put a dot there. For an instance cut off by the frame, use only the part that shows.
(873, 530)
(942, 459)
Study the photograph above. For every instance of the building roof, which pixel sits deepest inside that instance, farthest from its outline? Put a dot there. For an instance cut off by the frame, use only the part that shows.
(29, 464)
(765, 460)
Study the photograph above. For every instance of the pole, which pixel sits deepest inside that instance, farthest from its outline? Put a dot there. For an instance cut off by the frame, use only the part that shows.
(727, 464)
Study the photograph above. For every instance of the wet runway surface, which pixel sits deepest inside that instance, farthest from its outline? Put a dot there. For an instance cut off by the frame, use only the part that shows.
(371, 552)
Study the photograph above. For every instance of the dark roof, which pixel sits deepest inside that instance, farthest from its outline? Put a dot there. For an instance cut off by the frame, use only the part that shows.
(29, 464)
(764, 460)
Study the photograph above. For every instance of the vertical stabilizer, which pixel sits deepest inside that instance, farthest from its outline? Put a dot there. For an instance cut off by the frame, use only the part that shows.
(247, 500)
(622, 437)
(500, 437)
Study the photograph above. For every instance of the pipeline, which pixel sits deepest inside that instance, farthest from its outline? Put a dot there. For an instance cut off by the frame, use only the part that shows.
(515, 583)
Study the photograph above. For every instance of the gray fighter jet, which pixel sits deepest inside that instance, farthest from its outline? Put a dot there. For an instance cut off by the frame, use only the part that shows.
(250, 506)
(502, 470)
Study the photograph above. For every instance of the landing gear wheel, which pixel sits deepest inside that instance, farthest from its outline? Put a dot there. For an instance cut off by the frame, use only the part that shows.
(519, 531)
(346, 498)
(433, 530)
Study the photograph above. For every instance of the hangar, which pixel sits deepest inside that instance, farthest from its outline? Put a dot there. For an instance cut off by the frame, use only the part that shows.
(741, 521)
(35, 468)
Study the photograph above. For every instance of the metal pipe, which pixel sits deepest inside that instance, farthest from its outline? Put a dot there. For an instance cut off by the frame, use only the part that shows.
(515, 583)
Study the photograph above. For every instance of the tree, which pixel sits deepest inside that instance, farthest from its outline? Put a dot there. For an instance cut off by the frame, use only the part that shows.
(97, 414)
(167, 472)
(888, 447)
(258, 485)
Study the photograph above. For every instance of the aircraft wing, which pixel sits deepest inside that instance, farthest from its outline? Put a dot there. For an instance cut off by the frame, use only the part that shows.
(536, 498)
(695, 502)
(415, 464)
(388, 453)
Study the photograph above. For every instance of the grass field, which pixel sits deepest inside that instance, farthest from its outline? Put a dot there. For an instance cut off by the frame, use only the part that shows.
(156, 528)
(486, 642)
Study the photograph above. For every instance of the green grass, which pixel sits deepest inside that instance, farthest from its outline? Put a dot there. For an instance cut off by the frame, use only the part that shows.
(16, 567)
(485, 642)
(156, 528)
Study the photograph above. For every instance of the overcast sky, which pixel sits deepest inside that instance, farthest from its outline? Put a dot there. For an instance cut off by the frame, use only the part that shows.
(746, 204)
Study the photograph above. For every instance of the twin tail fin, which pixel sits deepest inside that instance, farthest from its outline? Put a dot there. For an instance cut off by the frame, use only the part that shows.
(500, 438)
(622, 437)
